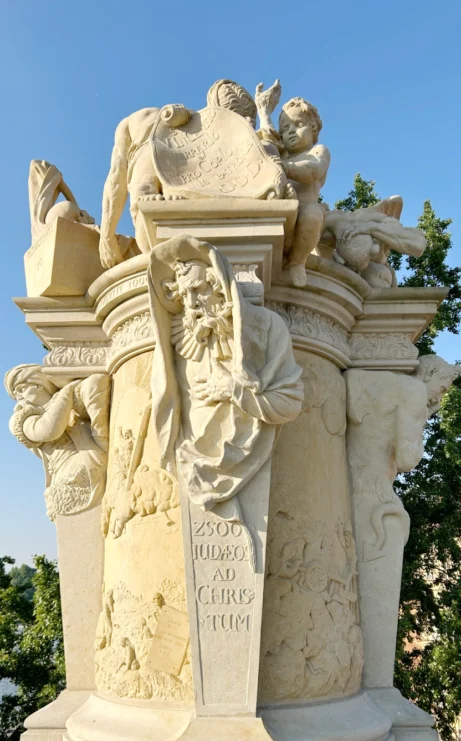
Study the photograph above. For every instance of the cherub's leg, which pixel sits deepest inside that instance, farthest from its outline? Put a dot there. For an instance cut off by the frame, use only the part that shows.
(309, 225)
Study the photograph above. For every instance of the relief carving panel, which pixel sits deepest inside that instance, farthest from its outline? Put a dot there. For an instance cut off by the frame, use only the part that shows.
(142, 643)
(311, 639)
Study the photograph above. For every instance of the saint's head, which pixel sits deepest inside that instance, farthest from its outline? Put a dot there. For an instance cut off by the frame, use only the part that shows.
(234, 97)
(201, 294)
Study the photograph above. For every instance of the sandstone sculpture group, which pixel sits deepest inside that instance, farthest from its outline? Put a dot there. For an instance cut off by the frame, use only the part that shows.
(228, 397)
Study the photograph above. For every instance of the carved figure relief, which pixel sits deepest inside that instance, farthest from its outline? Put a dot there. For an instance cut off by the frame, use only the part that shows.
(133, 486)
(387, 414)
(306, 164)
(361, 240)
(68, 429)
(231, 379)
(238, 156)
(125, 633)
(46, 185)
(311, 640)
(311, 643)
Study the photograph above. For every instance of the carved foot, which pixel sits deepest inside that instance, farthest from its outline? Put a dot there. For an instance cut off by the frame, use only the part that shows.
(298, 275)
(167, 197)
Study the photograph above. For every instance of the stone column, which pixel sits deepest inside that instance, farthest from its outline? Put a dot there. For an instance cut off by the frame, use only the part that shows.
(386, 417)
(173, 661)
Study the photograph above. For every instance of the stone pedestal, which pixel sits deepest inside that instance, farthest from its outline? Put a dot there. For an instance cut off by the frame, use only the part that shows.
(205, 632)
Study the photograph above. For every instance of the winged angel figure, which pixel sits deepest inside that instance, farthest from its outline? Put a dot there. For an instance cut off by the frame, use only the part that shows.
(361, 240)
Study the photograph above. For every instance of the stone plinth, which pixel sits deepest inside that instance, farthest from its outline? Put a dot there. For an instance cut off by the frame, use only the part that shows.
(63, 260)
(205, 632)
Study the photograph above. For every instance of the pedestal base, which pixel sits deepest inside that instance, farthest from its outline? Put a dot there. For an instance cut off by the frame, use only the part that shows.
(353, 719)
(49, 723)
(409, 722)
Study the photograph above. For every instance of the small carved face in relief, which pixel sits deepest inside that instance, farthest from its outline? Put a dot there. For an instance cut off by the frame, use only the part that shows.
(296, 130)
(33, 393)
(438, 375)
(291, 559)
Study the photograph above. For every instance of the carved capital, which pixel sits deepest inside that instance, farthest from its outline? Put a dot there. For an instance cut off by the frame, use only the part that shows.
(382, 346)
(73, 354)
(130, 335)
(303, 322)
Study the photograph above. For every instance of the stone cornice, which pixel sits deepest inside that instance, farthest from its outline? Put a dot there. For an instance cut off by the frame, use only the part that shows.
(337, 316)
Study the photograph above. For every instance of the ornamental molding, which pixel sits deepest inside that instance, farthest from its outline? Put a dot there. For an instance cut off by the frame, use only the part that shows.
(72, 354)
(311, 324)
(134, 330)
(382, 346)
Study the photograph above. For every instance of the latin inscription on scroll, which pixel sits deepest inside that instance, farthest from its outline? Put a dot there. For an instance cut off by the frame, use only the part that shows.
(217, 153)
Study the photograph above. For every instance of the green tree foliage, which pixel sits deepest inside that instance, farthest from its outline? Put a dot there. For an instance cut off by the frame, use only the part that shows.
(430, 605)
(31, 642)
(431, 269)
(428, 662)
(21, 576)
(361, 195)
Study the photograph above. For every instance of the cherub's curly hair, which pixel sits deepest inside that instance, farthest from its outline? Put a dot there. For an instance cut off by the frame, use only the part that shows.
(229, 94)
(311, 111)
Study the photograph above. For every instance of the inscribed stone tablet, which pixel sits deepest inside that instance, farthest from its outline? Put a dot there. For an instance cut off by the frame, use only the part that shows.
(169, 643)
(217, 153)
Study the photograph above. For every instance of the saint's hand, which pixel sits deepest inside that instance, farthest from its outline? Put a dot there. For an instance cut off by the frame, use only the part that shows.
(213, 390)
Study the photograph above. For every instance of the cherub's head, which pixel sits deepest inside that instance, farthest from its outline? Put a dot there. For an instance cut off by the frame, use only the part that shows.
(231, 95)
(29, 384)
(299, 125)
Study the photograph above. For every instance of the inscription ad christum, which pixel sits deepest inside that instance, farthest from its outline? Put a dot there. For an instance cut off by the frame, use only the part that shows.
(225, 561)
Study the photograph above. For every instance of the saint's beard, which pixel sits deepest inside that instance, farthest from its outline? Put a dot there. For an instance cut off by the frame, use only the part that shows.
(216, 319)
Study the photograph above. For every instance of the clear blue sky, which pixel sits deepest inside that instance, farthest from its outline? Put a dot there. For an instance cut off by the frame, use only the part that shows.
(385, 77)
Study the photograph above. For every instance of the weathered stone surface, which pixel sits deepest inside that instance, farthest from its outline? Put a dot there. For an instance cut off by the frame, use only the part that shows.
(63, 260)
(176, 622)
(215, 154)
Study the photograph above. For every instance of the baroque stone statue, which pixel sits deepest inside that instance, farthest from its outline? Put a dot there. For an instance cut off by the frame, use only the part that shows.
(230, 381)
(221, 418)
(362, 240)
(190, 150)
(46, 184)
(387, 413)
(68, 429)
(306, 164)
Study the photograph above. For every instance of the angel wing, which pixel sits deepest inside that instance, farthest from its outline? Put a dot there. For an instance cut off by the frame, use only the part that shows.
(391, 206)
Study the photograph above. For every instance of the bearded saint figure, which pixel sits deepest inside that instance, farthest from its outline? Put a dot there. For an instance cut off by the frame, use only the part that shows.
(224, 377)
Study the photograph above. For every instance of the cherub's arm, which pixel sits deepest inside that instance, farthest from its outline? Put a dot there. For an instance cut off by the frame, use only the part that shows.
(49, 426)
(312, 165)
(114, 197)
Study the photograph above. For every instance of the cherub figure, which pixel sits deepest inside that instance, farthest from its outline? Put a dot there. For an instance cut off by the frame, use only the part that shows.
(306, 164)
